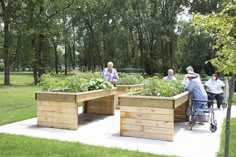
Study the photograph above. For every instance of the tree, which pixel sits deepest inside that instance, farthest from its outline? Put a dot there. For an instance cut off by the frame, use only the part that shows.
(222, 27)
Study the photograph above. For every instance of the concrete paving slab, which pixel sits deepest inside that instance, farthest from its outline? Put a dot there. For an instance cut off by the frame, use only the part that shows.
(104, 131)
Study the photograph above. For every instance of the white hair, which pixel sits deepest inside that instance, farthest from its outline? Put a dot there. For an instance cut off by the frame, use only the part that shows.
(110, 63)
(190, 68)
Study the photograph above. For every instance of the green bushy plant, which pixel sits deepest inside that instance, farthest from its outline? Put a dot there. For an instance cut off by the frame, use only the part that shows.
(158, 87)
(80, 82)
(99, 83)
(50, 83)
(130, 79)
(76, 83)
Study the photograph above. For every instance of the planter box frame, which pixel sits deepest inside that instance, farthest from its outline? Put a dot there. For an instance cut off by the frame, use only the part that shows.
(60, 109)
(121, 89)
(150, 116)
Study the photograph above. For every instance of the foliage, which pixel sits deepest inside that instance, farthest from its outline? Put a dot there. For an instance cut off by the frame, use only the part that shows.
(158, 87)
(76, 83)
(99, 83)
(80, 82)
(49, 83)
(221, 26)
(130, 79)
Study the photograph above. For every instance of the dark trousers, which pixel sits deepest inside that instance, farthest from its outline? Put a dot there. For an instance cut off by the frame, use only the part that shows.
(219, 99)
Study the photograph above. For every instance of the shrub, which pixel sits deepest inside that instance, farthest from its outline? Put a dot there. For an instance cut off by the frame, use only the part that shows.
(158, 87)
(76, 83)
(126, 79)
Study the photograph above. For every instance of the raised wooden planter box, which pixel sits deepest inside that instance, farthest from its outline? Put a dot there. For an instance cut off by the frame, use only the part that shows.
(60, 110)
(151, 117)
(121, 89)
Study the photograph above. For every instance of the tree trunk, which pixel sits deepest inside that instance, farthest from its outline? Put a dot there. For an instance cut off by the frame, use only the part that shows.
(56, 56)
(6, 44)
(66, 52)
(228, 116)
(41, 68)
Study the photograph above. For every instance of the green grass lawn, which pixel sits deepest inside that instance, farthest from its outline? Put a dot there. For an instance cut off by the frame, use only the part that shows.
(234, 99)
(21, 146)
(232, 140)
(17, 100)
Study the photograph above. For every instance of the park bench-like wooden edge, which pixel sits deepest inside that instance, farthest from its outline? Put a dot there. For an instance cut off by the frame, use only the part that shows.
(74, 97)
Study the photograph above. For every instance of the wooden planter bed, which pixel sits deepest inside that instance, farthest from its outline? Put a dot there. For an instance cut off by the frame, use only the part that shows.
(121, 89)
(60, 110)
(151, 117)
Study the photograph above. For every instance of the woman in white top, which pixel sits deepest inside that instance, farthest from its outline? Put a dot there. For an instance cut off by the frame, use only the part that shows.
(214, 88)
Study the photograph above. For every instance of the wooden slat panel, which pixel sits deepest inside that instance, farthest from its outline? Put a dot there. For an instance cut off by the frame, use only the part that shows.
(181, 101)
(101, 105)
(148, 135)
(57, 125)
(146, 110)
(57, 97)
(57, 104)
(138, 102)
(71, 120)
(55, 114)
(147, 116)
(57, 109)
(153, 123)
(148, 129)
(90, 95)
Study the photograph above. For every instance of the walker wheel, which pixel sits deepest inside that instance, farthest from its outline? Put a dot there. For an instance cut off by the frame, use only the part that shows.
(213, 128)
(224, 105)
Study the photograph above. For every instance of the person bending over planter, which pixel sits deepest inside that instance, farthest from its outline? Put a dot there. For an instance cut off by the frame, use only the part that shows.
(110, 74)
(170, 75)
(214, 90)
(185, 81)
(196, 90)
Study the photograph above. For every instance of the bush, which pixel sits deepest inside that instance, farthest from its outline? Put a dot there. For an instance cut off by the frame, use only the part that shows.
(76, 83)
(126, 79)
(158, 87)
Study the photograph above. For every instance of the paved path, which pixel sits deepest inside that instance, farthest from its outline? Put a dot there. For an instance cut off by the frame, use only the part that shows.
(104, 131)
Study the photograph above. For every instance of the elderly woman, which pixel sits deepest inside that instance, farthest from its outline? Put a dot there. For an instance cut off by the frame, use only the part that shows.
(110, 74)
(214, 90)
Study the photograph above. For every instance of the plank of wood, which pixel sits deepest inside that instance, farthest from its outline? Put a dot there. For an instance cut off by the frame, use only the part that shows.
(57, 109)
(148, 129)
(57, 97)
(57, 104)
(57, 125)
(152, 123)
(90, 95)
(182, 100)
(55, 114)
(164, 137)
(72, 120)
(138, 102)
(147, 116)
(146, 110)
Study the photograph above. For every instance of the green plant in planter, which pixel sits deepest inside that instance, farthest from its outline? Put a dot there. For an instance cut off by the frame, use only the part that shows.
(126, 79)
(157, 87)
(89, 75)
(99, 83)
(50, 83)
(76, 83)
